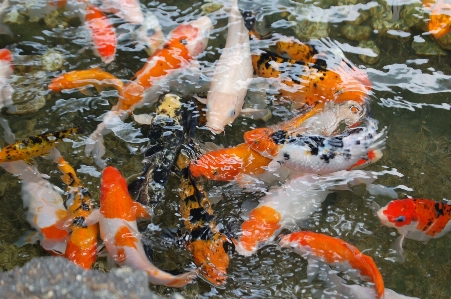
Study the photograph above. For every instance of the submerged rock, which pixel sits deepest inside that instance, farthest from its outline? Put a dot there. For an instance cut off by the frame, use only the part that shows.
(55, 277)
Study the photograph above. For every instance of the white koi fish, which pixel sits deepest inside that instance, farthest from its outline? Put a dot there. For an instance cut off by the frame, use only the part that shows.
(322, 154)
(118, 230)
(129, 10)
(6, 70)
(232, 75)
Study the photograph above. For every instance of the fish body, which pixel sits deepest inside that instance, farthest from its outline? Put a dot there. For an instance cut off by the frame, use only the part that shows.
(324, 154)
(440, 20)
(6, 70)
(184, 43)
(334, 251)
(82, 78)
(34, 146)
(417, 218)
(119, 231)
(149, 33)
(102, 33)
(232, 75)
(129, 10)
(310, 83)
(82, 243)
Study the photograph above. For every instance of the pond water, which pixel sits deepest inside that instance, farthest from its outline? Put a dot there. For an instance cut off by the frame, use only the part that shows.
(410, 97)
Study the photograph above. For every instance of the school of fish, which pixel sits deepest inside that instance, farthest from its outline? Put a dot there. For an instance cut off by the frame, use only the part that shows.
(323, 147)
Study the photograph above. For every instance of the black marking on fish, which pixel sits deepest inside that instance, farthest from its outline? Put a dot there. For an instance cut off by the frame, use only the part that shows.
(80, 222)
(279, 136)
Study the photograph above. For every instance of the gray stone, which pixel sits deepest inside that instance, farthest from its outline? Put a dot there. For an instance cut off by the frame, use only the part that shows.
(55, 277)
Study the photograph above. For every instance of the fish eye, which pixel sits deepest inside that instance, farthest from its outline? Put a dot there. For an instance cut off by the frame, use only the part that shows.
(354, 109)
(400, 219)
(232, 113)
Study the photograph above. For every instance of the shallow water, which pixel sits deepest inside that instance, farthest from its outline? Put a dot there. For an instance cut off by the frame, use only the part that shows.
(410, 97)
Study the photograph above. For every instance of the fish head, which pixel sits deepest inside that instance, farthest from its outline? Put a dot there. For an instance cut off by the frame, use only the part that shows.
(195, 34)
(351, 112)
(398, 213)
(222, 110)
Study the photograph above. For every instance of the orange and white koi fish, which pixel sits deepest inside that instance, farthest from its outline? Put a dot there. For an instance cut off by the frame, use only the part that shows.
(34, 146)
(416, 218)
(81, 79)
(292, 202)
(129, 10)
(81, 247)
(102, 33)
(334, 251)
(232, 75)
(118, 230)
(6, 70)
(440, 21)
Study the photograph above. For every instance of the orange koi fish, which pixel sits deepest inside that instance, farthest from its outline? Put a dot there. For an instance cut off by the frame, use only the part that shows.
(310, 83)
(296, 50)
(80, 79)
(416, 218)
(34, 146)
(102, 33)
(333, 250)
(184, 43)
(440, 21)
(118, 230)
(82, 244)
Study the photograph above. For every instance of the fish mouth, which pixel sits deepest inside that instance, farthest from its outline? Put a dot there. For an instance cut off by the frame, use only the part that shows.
(215, 129)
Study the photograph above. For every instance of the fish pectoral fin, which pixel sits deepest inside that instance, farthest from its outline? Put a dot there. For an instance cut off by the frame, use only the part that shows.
(313, 269)
(111, 263)
(29, 237)
(86, 91)
(93, 218)
(202, 100)
(29, 162)
(398, 250)
(264, 114)
(55, 246)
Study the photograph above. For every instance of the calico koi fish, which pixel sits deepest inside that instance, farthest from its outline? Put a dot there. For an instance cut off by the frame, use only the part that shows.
(129, 10)
(6, 70)
(332, 250)
(34, 146)
(321, 154)
(293, 202)
(232, 75)
(102, 33)
(416, 218)
(82, 243)
(81, 79)
(119, 231)
(184, 43)
(440, 20)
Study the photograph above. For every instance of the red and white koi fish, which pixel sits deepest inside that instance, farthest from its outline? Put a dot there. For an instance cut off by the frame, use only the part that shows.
(118, 230)
(416, 218)
(334, 251)
(102, 33)
(323, 154)
(45, 209)
(6, 70)
(129, 10)
(295, 201)
(232, 75)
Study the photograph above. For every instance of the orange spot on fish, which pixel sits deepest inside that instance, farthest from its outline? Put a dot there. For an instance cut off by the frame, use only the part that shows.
(124, 237)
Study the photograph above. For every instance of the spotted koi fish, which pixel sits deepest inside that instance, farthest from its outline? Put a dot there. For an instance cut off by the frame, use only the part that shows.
(119, 232)
(332, 250)
(200, 233)
(81, 79)
(82, 243)
(440, 21)
(102, 33)
(416, 218)
(35, 146)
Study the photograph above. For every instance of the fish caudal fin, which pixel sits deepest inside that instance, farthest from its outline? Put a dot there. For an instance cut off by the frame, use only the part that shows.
(182, 280)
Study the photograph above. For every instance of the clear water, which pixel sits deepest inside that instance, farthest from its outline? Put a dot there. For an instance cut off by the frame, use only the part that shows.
(410, 97)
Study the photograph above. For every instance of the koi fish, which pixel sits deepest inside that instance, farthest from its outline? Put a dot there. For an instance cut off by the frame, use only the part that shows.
(201, 234)
(310, 83)
(290, 203)
(416, 218)
(149, 33)
(34, 146)
(332, 250)
(119, 231)
(128, 10)
(440, 21)
(6, 70)
(322, 154)
(184, 43)
(80, 79)
(102, 33)
(82, 243)
(232, 75)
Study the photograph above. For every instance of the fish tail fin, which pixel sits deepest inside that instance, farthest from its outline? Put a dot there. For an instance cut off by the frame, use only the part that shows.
(182, 280)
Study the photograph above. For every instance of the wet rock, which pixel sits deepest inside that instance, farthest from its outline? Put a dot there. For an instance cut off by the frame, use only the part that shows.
(355, 32)
(414, 16)
(372, 46)
(53, 60)
(55, 277)
(311, 22)
(29, 93)
(427, 47)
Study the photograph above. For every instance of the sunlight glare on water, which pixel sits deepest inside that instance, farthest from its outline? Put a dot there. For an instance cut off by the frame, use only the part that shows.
(410, 74)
